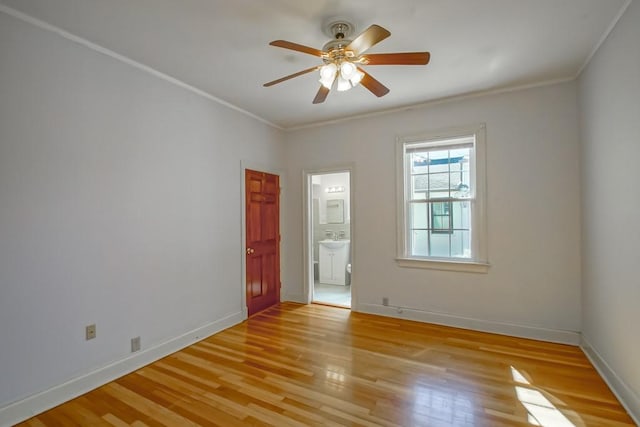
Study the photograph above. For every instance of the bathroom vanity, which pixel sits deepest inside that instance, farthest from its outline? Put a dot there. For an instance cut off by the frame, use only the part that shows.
(334, 256)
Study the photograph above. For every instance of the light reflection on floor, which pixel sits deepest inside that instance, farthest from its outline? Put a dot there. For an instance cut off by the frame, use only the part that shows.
(335, 376)
(438, 406)
(541, 411)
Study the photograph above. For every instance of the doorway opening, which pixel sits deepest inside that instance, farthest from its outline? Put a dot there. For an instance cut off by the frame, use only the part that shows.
(329, 237)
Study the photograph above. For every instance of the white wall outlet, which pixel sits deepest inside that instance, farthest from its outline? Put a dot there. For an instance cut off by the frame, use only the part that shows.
(385, 301)
(135, 344)
(90, 332)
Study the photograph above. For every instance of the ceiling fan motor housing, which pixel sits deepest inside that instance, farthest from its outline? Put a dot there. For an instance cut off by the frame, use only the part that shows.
(341, 31)
(335, 51)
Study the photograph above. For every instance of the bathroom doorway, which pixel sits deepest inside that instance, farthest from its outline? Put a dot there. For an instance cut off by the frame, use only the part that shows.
(329, 235)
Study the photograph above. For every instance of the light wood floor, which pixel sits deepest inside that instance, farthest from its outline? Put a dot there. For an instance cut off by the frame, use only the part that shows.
(296, 365)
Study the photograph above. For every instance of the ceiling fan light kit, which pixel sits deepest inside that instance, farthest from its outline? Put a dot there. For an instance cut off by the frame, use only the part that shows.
(344, 57)
(347, 74)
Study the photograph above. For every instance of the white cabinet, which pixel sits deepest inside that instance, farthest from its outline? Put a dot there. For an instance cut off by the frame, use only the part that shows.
(334, 255)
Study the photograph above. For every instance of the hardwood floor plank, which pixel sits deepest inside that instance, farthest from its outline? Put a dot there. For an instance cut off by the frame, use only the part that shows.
(146, 406)
(202, 412)
(312, 365)
(114, 421)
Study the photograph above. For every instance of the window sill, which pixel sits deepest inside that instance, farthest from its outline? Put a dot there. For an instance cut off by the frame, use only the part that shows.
(446, 265)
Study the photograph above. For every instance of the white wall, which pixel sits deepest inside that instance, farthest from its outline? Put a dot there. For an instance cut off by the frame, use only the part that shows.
(610, 136)
(120, 205)
(533, 285)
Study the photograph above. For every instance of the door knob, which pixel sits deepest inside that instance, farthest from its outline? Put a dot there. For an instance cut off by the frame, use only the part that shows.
(250, 251)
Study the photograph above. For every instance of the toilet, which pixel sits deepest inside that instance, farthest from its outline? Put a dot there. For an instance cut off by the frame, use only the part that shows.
(348, 281)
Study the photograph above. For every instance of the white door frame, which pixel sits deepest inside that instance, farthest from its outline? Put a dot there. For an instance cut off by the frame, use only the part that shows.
(307, 224)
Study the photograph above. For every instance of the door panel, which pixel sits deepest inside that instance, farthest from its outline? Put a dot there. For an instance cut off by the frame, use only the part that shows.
(255, 280)
(263, 240)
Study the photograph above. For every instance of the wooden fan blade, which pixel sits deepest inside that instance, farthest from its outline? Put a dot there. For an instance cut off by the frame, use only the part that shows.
(377, 88)
(321, 95)
(369, 37)
(404, 58)
(297, 47)
(290, 76)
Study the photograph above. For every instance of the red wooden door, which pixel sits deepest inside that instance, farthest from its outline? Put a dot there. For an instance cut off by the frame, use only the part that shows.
(262, 191)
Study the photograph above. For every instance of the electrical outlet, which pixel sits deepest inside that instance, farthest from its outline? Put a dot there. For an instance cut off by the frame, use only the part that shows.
(385, 301)
(90, 332)
(135, 344)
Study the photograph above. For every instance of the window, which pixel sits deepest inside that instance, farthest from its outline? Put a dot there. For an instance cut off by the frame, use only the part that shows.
(441, 200)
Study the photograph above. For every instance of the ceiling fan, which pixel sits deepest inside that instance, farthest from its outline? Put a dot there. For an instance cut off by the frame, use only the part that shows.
(344, 57)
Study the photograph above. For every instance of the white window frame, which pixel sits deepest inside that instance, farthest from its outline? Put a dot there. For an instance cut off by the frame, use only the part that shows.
(478, 263)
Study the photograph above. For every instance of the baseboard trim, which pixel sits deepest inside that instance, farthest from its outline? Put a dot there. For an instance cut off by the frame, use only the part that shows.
(294, 298)
(629, 400)
(522, 331)
(26, 408)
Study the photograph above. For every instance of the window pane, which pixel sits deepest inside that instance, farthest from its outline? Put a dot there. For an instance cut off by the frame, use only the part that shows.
(439, 245)
(465, 178)
(419, 163)
(460, 152)
(441, 217)
(420, 182)
(441, 222)
(438, 165)
(435, 195)
(419, 216)
(461, 244)
(420, 195)
(461, 215)
(419, 243)
(439, 181)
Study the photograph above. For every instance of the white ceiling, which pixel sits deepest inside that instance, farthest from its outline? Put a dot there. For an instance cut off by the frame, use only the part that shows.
(221, 46)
